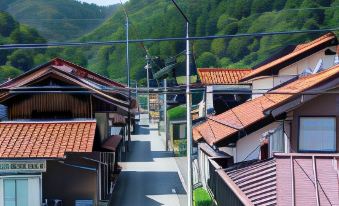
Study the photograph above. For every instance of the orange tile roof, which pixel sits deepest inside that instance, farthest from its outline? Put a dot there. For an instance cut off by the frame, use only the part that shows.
(213, 76)
(45, 139)
(300, 49)
(222, 126)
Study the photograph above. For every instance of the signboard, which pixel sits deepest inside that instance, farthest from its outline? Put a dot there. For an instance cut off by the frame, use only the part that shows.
(22, 166)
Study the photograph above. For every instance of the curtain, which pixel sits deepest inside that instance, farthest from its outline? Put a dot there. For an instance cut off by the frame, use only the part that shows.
(317, 134)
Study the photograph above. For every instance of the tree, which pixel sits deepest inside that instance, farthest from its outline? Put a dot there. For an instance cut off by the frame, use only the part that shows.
(237, 48)
(218, 47)
(7, 24)
(260, 6)
(7, 72)
(207, 59)
(21, 59)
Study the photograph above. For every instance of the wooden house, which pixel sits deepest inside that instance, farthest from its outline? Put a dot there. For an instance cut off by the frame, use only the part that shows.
(65, 129)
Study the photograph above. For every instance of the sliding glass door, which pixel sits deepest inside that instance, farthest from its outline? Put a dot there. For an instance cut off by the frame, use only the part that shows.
(15, 192)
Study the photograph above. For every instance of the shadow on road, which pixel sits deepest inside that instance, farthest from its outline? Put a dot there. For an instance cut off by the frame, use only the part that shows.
(138, 188)
(146, 155)
(142, 130)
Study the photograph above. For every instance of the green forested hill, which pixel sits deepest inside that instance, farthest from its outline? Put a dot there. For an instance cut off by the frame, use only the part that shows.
(159, 18)
(13, 62)
(57, 20)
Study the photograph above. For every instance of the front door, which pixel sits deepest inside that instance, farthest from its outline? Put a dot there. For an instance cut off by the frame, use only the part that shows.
(20, 191)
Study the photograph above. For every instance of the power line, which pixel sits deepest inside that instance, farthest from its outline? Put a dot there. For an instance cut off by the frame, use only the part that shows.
(66, 19)
(102, 43)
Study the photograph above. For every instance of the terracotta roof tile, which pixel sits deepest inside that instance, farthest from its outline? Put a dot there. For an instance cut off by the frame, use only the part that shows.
(301, 48)
(221, 126)
(45, 139)
(213, 76)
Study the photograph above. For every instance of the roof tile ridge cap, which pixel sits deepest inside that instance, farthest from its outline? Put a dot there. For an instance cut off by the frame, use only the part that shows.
(314, 41)
(84, 68)
(225, 69)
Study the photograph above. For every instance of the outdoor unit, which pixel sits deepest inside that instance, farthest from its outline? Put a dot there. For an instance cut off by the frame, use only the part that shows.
(84, 203)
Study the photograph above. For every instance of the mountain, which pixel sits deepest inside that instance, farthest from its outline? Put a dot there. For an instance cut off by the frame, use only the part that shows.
(157, 19)
(58, 20)
(13, 62)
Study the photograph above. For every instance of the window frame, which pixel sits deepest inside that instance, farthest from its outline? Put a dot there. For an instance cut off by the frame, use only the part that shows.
(299, 135)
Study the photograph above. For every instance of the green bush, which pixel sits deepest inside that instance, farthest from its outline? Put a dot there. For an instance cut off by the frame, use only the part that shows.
(201, 197)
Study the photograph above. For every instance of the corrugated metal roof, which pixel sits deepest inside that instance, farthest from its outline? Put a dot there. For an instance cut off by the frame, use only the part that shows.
(307, 179)
(257, 181)
(286, 179)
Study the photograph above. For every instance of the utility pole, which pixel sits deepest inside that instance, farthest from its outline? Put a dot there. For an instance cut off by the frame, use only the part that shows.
(147, 67)
(188, 119)
(165, 113)
(136, 96)
(128, 83)
(188, 111)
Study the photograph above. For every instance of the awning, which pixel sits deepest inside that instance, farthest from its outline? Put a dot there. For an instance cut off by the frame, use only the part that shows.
(112, 143)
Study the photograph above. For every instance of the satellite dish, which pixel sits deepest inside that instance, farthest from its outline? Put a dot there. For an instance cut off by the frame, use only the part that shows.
(336, 60)
(319, 67)
(306, 72)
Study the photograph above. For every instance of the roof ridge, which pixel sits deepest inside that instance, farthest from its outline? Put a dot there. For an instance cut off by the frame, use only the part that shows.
(226, 69)
(329, 37)
(303, 45)
(49, 122)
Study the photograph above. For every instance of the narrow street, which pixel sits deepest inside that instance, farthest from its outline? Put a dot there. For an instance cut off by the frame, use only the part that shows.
(150, 174)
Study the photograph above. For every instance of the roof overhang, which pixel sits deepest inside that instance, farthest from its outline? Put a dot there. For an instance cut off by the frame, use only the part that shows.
(299, 100)
(329, 40)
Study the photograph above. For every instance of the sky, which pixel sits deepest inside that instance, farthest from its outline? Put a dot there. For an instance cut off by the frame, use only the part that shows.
(103, 2)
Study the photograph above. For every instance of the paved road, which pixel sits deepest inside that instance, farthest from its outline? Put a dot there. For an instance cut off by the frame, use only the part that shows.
(150, 174)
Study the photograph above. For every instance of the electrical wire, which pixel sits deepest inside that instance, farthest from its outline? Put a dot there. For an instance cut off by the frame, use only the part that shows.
(103, 43)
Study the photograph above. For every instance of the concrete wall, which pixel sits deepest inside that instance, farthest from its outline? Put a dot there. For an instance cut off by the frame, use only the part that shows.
(324, 105)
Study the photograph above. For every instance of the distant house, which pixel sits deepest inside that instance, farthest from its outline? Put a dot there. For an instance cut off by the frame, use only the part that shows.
(290, 126)
(291, 62)
(64, 133)
(221, 85)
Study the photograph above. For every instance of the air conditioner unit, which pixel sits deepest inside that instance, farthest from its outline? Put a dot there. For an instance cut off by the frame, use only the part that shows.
(84, 202)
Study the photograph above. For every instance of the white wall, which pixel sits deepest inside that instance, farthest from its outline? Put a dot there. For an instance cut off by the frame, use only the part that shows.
(209, 97)
(263, 84)
(310, 62)
(249, 143)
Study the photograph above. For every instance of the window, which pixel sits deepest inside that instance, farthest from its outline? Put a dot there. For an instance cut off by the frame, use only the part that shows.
(277, 141)
(15, 192)
(317, 134)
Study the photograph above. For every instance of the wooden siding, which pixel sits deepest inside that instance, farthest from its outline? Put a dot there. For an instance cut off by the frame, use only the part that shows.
(24, 106)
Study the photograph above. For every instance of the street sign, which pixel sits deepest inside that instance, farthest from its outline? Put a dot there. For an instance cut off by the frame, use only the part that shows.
(22, 166)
